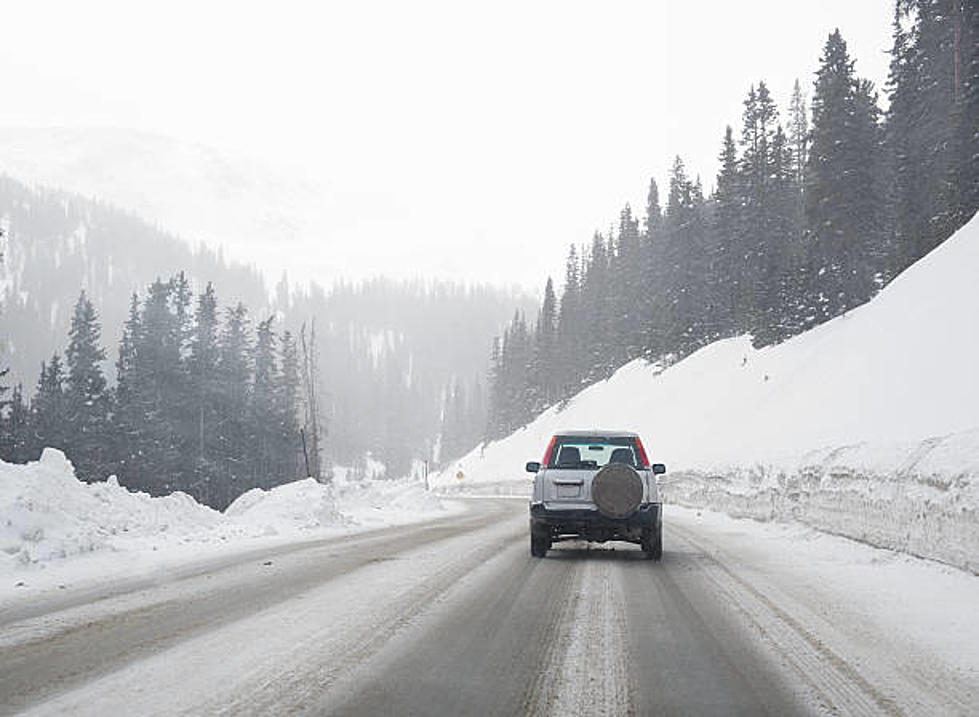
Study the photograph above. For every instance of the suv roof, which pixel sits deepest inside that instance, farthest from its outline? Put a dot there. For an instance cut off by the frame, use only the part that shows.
(598, 432)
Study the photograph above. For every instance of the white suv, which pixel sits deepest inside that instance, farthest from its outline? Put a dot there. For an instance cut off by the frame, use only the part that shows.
(596, 486)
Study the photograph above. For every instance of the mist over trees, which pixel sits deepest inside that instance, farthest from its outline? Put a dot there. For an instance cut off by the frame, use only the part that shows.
(58, 243)
(399, 365)
(810, 215)
(203, 404)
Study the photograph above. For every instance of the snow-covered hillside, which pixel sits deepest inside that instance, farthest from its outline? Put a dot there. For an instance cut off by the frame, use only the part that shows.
(888, 392)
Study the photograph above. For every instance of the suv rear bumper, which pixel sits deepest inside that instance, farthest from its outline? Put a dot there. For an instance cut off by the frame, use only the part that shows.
(586, 521)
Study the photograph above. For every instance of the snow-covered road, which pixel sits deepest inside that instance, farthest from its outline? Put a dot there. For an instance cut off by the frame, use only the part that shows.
(454, 617)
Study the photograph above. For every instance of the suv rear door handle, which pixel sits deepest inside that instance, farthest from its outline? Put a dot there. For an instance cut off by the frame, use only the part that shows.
(569, 481)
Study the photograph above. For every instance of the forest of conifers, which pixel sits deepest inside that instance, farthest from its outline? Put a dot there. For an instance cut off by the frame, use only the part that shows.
(812, 212)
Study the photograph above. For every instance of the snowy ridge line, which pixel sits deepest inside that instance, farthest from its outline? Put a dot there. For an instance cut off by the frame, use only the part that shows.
(923, 500)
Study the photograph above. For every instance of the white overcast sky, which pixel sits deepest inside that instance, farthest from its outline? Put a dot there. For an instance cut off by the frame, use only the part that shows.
(500, 131)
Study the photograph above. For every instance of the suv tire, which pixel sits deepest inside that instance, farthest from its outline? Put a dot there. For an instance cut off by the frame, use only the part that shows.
(652, 543)
(539, 544)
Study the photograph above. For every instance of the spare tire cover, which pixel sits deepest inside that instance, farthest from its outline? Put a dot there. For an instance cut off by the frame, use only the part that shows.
(617, 490)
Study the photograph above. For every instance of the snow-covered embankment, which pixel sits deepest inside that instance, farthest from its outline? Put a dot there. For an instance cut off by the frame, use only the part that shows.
(55, 529)
(866, 426)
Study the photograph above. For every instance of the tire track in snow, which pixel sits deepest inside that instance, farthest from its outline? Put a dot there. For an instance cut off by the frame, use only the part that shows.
(836, 686)
(278, 652)
(589, 672)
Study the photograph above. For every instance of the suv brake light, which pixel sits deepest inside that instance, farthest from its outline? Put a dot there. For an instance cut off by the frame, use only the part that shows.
(642, 453)
(550, 450)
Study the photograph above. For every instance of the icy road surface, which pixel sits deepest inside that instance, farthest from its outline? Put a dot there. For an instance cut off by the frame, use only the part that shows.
(454, 617)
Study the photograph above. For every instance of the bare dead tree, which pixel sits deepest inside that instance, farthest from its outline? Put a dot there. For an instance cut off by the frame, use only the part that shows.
(311, 424)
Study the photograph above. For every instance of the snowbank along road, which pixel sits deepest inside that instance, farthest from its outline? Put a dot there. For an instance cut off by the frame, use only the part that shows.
(454, 617)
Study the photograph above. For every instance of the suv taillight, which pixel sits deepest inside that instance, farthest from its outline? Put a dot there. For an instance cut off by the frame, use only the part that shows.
(642, 453)
(547, 454)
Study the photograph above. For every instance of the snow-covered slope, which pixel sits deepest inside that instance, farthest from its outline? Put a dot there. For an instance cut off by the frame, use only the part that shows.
(890, 389)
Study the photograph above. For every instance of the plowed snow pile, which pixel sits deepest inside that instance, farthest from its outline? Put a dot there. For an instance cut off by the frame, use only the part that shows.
(867, 425)
(53, 527)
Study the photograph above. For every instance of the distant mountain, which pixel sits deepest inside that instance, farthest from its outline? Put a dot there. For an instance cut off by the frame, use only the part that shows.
(57, 244)
(257, 213)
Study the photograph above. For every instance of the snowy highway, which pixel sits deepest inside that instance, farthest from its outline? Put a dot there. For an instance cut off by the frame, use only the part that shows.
(453, 616)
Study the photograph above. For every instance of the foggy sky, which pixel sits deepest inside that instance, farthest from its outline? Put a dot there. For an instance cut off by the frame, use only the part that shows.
(487, 137)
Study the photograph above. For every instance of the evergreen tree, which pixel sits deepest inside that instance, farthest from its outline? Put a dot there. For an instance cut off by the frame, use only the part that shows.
(495, 426)
(263, 421)
(842, 198)
(311, 424)
(15, 437)
(543, 379)
(729, 227)
(87, 398)
(127, 424)
(932, 123)
(687, 263)
(154, 388)
(594, 331)
(48, 421)
(798, 134)
(652, 296)
(625, 291)
(234, 374)
(206, 392)
(288, 450)
(568, 361)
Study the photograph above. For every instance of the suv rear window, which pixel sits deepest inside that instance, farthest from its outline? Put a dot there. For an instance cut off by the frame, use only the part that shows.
(582, 452)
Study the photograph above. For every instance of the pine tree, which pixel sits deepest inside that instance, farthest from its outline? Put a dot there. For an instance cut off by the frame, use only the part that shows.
(625, 290)
(932, 124)
(87, 398)
(15, 438)
(311, 424)
(206, 389)
(652, 279)
(495, 427)
(842, 199)
(234, 374)
(729, 227)
(596, 312)
(155, 388)
(568, 360)
(48, 415)
(543, 383)
(288, 450)
(687, 263)
(263, 428)
(798, 134)
(127, 424)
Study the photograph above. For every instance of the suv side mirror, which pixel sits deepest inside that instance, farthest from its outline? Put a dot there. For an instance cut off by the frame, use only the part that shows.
(533, 467)
(658, 468)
